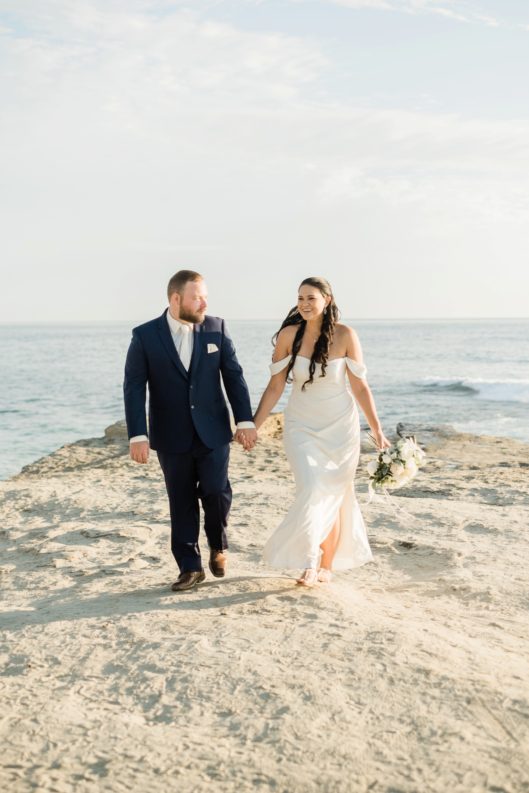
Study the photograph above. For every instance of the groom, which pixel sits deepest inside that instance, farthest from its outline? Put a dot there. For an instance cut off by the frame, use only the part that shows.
(181, 357)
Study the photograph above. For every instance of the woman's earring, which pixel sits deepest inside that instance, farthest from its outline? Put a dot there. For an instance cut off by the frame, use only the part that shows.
(325, 311)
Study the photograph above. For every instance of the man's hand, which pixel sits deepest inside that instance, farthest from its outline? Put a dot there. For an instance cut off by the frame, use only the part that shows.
(139, 451)
(247, 438)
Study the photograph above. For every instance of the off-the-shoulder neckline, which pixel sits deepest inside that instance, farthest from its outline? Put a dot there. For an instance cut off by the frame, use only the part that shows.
(306, 358)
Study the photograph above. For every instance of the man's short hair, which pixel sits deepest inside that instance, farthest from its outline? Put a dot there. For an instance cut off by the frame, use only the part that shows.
(180, 279)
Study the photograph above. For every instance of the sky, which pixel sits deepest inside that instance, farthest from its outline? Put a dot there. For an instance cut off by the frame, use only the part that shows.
(382, 144)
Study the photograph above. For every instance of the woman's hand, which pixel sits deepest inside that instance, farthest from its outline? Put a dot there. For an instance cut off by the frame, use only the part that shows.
(380, 439)
(247, 438)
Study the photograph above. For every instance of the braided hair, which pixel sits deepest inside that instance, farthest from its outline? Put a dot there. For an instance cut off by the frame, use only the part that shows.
(321, 348)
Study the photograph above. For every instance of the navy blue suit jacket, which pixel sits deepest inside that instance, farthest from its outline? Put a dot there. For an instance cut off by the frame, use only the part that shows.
(182, 402)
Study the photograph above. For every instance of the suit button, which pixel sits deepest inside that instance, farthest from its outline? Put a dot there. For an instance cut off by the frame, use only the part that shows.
(192, 407)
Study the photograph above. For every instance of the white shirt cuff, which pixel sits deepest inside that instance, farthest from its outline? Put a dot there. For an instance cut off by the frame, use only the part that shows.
(245, 425)
(137, 438)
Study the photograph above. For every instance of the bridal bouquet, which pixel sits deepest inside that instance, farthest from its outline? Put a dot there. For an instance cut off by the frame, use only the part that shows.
(396, 466)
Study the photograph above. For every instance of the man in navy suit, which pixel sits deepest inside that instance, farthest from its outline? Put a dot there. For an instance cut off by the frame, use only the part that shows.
(181, 356)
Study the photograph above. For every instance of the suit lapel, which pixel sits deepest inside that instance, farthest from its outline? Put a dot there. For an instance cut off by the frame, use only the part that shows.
(168, 343)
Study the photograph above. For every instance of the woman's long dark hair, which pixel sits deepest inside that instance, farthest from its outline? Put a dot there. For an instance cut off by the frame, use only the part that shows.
(321, 348)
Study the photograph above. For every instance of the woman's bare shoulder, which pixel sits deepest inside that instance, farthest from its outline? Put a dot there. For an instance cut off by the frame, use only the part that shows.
(345, 331)
(288, 332)
(284, 342)
(348, 337)
(287, 335)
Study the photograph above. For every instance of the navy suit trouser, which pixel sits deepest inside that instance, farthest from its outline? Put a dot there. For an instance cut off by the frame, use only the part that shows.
(201, 473)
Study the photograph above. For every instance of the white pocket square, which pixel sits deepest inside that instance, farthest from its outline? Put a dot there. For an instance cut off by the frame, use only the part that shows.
(212, 348)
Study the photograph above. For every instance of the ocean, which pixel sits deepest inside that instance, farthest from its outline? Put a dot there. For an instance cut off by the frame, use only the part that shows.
(63, 382)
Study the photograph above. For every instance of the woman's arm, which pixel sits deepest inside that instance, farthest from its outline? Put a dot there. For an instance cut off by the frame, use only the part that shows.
(276, 384)
(362, 392)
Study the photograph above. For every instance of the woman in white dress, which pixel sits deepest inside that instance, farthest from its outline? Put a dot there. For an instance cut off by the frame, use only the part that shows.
(323, 529)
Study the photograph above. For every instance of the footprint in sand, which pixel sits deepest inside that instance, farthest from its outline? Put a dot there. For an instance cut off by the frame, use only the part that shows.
(479, 528)
(418, 560)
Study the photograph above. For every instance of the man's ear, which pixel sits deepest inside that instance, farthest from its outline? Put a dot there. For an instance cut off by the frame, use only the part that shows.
(175, 301)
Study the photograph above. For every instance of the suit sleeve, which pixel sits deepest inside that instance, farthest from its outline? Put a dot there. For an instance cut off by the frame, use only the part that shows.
(135, 388)
(233, 379)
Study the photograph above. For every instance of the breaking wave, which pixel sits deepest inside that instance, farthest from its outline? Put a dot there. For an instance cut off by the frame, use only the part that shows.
(491, 390)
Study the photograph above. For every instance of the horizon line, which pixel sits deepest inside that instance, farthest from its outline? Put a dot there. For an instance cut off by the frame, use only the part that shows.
(258, 319)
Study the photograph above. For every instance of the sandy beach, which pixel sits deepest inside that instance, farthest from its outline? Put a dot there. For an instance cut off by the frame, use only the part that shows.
(408, 675)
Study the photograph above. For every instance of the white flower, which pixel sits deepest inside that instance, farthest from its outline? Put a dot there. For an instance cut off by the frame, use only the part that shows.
(397, 469)
(407, 450)
(372, 467)
(403, 460)
(411, 467)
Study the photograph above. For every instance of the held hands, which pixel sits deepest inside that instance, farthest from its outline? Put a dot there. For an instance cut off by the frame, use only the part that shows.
(139, 451)
(247, 438)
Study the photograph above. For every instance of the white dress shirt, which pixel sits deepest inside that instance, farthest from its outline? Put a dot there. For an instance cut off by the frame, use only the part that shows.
(182, 336)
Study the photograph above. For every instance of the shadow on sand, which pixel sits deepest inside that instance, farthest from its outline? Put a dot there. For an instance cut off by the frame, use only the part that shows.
(68, 606)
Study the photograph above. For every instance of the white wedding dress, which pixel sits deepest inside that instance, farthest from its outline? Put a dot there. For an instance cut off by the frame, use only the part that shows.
(322, 443)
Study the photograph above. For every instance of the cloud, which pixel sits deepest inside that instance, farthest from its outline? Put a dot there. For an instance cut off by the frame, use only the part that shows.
(176, 53)
(435, 165)
(363, 4)
(467, 12)
(138, 134)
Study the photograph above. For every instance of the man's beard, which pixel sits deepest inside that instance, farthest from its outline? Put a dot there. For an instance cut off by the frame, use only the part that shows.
(188, 316)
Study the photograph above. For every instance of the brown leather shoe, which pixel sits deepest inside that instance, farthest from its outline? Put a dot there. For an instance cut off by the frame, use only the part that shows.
(217, 563)
(188, 580)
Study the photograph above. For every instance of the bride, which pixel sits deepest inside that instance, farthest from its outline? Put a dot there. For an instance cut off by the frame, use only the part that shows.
(323, 528)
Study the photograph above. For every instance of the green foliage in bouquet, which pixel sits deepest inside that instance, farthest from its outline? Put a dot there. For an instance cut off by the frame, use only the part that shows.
(396, 466)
